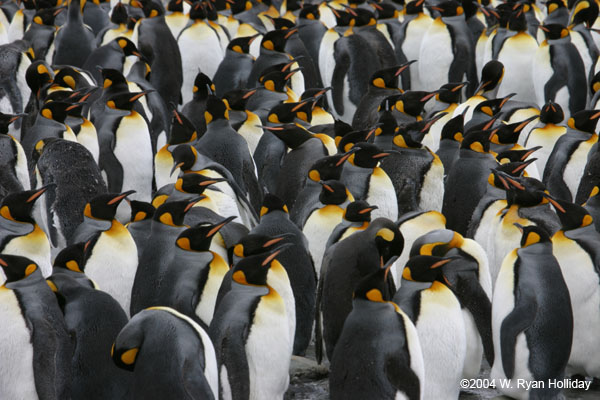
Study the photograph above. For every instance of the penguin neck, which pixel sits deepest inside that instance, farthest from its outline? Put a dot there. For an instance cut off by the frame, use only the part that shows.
(563, 40)
(75, 12)
(219, 124)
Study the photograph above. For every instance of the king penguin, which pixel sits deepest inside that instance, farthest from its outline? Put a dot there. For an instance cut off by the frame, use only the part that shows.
(35, 344)
(532, 320)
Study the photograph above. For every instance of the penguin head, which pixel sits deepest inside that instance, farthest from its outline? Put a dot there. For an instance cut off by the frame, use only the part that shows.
(347, 142)
(571, 215)
(173, 213)
(532, 234)
(276, 81)
(517, 21)
(70, 77)
(555, 31)
(203, 86)
(149, 7)
(374, 287)
(275, 40)
(333, 192)
(184, 157)
(454, 129)
(239, 6)
(15, 268)
(111, 78)
(513, 169)
(182, 129)
(386, 125)
(215, 110)
(128, 47)
(6, 120)
(385, 10)
(253, 244)
(46, 16)
(477, 141)
(509, 133)
(316, 95)
(510, 156)
(584, 12)
(493, 106)
(584, 120)
(450, 92)
(412, 102)
(437, 243)
(388, 78)
(17, 206)
(38, 75)
(175, 6)
(104, 206)
(141, 210)
(552, 113)
(362, 17)
(425, 268)
(367, 155)
(387, 236)
(71, 258)
(198, 11)
(329, 167)
(491, 76)
(272, 203)
(341, 129)
(253, 270)
(125, 101)
(291, 134)
(285, 113)
(195, 183)
(281, 23)
(523, 191)
(448, 8)
(342, 18)
(492, 17)
(359, 211)
(241, 45)
(404, 140)
(553, 5)
(199, 237)
(310, 11)
(119, 15)
(414, 7)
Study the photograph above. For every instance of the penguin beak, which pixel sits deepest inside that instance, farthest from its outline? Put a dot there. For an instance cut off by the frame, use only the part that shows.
(290, 32)
(14, 118)
(505, 99)
(433, 121)
(368, 209)
(212, 181)
(275, 252)
(502, 180)
(489, 124)
(37, 194)
(403, 67)
(179, 165)
(458, 87)
(522, 167)
(595, 116)
(429, 96)
(220, 225)
(177, 117)
(554, 202)
(250, 93)
(326, 186)
(120, 197)
(381, 155)
(530, 152)
(440, 263)
(346, 156)
(140, 94)
(193, 202)
(277, 239)
(525, 123)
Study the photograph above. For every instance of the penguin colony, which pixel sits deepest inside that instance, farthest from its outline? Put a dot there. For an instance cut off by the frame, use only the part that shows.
(193, 192)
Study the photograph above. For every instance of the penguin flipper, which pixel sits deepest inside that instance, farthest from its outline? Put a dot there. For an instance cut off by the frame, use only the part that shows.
(474, 298)
(109, 163)
(342, 65)
(519, 319)
(400, 375)
(318, 323)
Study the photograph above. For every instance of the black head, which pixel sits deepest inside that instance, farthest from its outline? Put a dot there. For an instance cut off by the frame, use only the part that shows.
(125, 101)
(291, 134)
(374, 287)
(388, 78)
(454, 129)
(241, 44)
(513, 169)
(149, 7)
(327, 168)
(15, 268)
(555, 31)
(71, 258)
(275, 40)
(584, 12)
(272, 203)
(450, 92)
(276, 81)
(517, 21)
(195, 183)
(552, 113)
(553, 5)
(449, 8)
(253, 244)
(18, 206)
(199, 237)
(141, 210)
(584, 120)
(184, 157)
(425, 268)
(111, 78)
(310, 11)
(104, 206)
(119, 14)
(282, 24)
(414, 7)
(532, 234)
(175, 6)
(387, 237)
(46, 16)
(509, 156)
(128, 47)
(476, 141)
(347, 142)
(6, 120)
(182, 129)
(367, 155)
(285, 113)
(38, 75)
(571, 215)
(412, 102)
(491, 76)
(215, 110)
(333, 192)
(237, 99)
(172, 213)
(69, 77)
(359, 211)
(509, 133)
(203, 86)
(253, 270)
